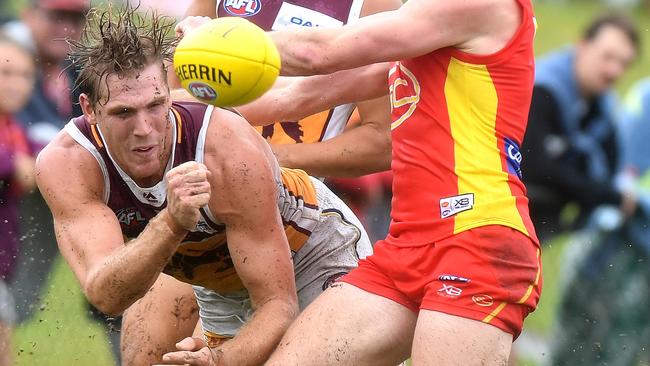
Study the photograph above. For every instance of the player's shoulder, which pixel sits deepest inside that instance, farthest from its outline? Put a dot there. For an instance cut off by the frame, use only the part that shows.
(229, 132)
(64, 163)
(190, 109)
(232, 145)
(63, 149)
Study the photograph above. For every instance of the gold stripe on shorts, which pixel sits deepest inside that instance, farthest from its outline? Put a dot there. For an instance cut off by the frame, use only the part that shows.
(494, 312)
(213, 340)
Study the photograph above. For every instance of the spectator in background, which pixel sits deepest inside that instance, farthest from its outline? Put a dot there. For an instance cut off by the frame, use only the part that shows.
(43, 27)
(613, 326)
(16, 173)
(607, 320)
(572, 155)
(626, 299)
(570, 145)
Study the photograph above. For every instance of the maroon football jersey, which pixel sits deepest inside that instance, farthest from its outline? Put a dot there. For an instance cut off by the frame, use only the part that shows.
(202, 258)
(278, 14)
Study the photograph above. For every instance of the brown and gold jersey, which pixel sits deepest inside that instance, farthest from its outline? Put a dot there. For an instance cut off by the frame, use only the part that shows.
(202, 258)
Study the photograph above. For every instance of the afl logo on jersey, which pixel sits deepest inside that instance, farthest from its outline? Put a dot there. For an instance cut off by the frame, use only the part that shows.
(242, 8)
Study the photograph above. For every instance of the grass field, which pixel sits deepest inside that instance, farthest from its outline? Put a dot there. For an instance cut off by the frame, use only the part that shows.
(61, 334)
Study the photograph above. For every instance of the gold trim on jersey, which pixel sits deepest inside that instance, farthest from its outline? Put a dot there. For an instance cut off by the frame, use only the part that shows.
(179, 125)
(208, 263)
(205, 263)
(214, 340)
(298, 183)
(300, 213)
(307, 130)
(93, 130)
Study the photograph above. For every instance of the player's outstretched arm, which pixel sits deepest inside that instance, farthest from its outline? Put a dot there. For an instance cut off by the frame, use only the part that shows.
(245, 200)
(417, 28)
(358, 151)
(295, 98)
(292, 99)
(112, 274)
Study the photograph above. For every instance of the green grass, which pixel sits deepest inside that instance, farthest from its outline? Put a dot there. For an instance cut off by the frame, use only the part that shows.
(61, 334)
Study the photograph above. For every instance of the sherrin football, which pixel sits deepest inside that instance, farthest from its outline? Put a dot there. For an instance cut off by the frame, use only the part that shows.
(227, 62)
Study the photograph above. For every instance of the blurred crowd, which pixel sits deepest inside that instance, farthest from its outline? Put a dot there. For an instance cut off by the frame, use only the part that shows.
(584, 160)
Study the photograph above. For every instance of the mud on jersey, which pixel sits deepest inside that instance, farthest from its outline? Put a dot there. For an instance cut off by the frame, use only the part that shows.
(202, 258)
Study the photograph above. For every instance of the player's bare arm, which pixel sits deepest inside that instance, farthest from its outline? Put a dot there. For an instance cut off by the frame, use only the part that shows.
(360, 150)
(244, 199)
(112, 274)
(400, 34)
(294, 98)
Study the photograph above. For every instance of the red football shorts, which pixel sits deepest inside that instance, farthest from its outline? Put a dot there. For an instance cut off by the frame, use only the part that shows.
(491, 274)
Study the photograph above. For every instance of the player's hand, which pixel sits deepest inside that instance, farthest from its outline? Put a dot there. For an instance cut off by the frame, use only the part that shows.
(191, 351)
(188, 24)
(188, 190)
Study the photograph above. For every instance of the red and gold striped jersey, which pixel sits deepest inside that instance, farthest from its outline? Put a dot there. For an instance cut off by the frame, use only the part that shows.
(458, 122)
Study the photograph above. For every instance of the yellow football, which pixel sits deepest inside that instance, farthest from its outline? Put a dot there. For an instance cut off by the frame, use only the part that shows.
(227, 62)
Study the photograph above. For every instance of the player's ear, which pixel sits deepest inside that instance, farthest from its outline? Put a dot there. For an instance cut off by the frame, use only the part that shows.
(87, 108)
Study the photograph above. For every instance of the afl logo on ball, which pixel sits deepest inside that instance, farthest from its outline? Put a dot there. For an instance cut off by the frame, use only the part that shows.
(202, 91)
(242, 8)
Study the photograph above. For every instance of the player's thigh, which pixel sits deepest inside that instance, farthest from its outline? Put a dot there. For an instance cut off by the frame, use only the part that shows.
(153, 325)
(348, 326)
(448, 340)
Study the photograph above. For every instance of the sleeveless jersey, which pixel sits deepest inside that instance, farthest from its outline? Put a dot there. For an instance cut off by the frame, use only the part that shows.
(458, 122)
(202, 258)
(278, 14)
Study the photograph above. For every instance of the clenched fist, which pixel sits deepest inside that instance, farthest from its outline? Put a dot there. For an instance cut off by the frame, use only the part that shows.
(188, 190)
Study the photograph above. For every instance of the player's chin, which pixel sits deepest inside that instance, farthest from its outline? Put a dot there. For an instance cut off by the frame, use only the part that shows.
(143, 170)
